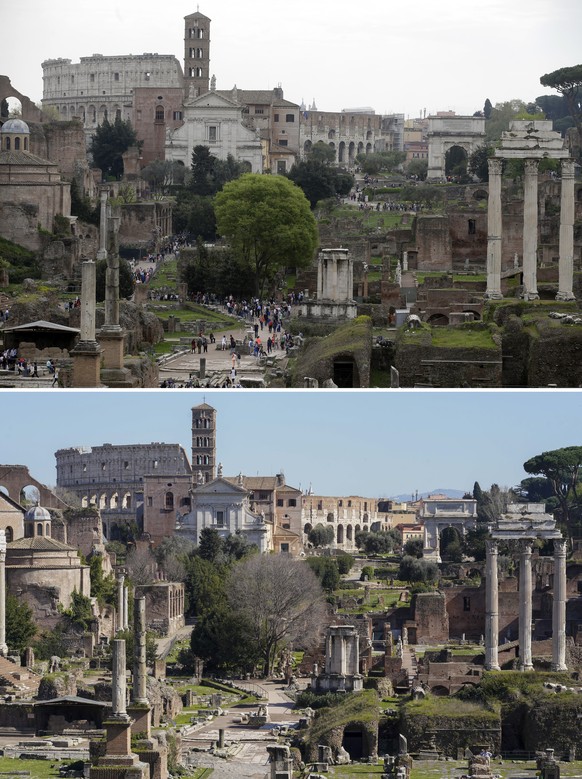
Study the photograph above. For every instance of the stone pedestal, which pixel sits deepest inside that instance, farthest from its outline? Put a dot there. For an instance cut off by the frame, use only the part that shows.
(86, 364)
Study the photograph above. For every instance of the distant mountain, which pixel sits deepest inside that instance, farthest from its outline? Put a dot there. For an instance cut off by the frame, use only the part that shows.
(405, 497)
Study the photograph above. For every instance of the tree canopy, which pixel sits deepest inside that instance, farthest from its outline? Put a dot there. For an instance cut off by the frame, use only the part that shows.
(319, 181)
(376, 162)
(321, 535)
(269, 224)
(126, 279)
(568, 82)
(109, 143)
(20, 627)
(562, 468)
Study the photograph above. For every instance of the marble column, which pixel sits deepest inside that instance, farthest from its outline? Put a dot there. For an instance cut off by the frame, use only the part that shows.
(125, 607)
(139, 667)
(120, 602)
(530, 230)
(494, 228)
(559, 607)
(525, 607)
(3, 646)
(491, 607)
(87, 353)
(566, 261)
(118, 681)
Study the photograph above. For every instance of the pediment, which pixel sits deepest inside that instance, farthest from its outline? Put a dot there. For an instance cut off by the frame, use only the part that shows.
(212, 100)
(219, 486)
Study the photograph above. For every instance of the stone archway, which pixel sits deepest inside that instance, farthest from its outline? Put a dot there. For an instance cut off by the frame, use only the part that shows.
(456, 160)
(444, 132)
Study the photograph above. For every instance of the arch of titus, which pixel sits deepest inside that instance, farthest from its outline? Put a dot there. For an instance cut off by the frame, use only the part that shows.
(522, 524)
(531, 141)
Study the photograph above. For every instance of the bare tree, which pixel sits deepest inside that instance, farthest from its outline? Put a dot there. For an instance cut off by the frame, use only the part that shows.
(282, 601)
(141, 565)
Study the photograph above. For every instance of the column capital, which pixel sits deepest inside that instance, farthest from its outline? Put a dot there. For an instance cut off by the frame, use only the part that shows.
(559, 547)
(531, 167)
(568, 167)
(494, 166)
(492, 546)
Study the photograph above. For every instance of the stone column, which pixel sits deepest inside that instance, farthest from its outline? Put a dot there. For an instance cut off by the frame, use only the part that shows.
(120, 602)
(494, 230)
(139, 666)
(530, 230)
(491, 607)
(125, 607)
(118, 681)
(87, 354)
(525, 607)
(559, 607)
(3, 646)
(566, 261)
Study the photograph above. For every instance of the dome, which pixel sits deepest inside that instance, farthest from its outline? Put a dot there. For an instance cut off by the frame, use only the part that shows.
(37, 514)
(15, 126)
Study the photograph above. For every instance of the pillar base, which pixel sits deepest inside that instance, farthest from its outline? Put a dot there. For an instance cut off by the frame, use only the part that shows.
(493, 295)
(492, 667)
(530, 296)
(526, 667)
(112, 343)
(140, 714)
(565, 296)
(559, 667)
(86, 364)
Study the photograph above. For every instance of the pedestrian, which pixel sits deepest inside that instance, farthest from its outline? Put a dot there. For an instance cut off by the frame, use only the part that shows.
(223, 343)
(193, 346)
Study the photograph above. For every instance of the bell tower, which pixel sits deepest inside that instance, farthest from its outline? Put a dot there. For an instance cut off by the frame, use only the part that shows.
(196, 54)
(203, 443)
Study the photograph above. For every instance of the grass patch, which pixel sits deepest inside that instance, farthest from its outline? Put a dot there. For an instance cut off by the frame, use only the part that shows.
(39, 769)
(357, 707)
(462, 338)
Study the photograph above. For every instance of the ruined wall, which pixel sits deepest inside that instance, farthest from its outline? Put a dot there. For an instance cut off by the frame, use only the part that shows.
(141, 222)
(430, 615)
(14, 478)
(434, 243)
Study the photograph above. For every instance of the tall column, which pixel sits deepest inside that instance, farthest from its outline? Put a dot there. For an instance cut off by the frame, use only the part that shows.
(139, 667)
(87, 353)
(491, 607)
(559, 607)
(530, 230)
(525, 607)
(494, 228)
(125, 607)
(566, 261)
(120, 602)
(3, 646)
(118, 681)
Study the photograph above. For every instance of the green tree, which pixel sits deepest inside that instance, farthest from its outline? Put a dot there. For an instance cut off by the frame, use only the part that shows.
(418, 169)
(413, 547)
(80, 613)
(478, 162)
(82, 207)
(321, 535)
(20, 626)
(381, 542)
(162, 174)
(327, 571)
(202, 170)
(195, 215)
(322, 152)
(376, 162)
(109, 144)
(487, 109)
(315, 178)
(474, 542)
(501, 115)
(126, 279)
(236, 547)
(568, 82)
(103, 587)
(561, 467)
(413, 570)
(223, 638)
(210, 544)
(204, 586)
(345, 563)
(269, 224)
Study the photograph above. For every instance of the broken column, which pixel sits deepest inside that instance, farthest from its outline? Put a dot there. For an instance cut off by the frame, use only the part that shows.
(525, 607)
(559, 607)
(111, 335)
(3, 646)
(139, 707)
(491, 607)
(121, 602)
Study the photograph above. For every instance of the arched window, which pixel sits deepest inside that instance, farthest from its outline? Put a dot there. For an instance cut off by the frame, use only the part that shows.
(159, 113)
(39, 529)
(17, 144)
(7, 144)
(47, 530)
(26, 144)
(9, 534)
(169, 500)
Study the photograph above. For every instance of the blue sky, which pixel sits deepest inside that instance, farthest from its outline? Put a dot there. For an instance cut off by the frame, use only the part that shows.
(364, 443)
(395, 57)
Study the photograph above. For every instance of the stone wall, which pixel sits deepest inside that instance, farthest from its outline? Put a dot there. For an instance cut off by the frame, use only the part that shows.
(431, 617)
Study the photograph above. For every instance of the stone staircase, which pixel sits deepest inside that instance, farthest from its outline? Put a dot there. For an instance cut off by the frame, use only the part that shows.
(17, 680)
(409, 663)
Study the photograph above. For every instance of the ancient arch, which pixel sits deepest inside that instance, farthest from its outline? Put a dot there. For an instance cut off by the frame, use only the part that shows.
(29, 493)
(30, 113)
(349, 533)
(356, 741)
(341, 152)
(15, 478)
(444, 132)
(307, 528)
(438, 320)
(457, 159)
(330, 516)
(340, 534)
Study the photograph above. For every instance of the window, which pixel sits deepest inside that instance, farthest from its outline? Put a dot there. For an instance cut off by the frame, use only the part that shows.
(282, 142)
(212, 136)
(259, 111)
(280, 502)
(281, 167)
(319, 505)
(177, 116)
(472, 227)
(103, 466)
(276, 118)
(263, 496)
(466, 604)
(285, 548)
(169, 500)
(286, 526)
(92, 77)
(290, 118)
(340, 503)
(150, 501)
(220, 517)
(147, 75)
(17, 144)
(8, 144)
(159, 113)
(116, 76)
(292, 502)
(126, 464)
